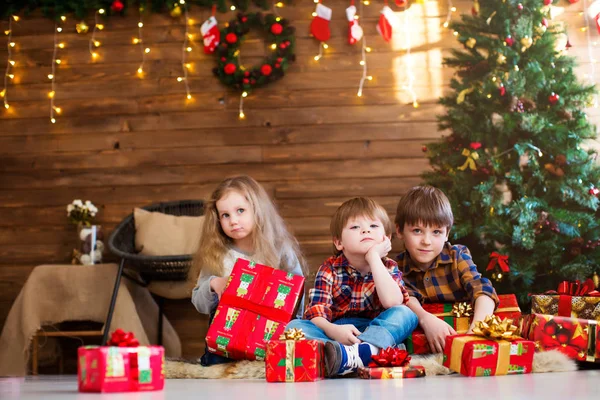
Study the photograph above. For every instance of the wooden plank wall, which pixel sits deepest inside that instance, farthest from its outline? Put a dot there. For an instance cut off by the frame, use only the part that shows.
(122, 141)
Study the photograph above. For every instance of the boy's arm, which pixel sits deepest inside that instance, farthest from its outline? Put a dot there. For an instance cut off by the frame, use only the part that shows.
(391, 292)
(476, 285)
(484, 306)
(434, 328)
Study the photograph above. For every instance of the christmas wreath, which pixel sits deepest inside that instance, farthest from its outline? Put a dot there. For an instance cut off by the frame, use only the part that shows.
(281, 39)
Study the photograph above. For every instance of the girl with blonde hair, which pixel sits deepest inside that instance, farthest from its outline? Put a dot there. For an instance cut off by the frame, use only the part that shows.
(241, 221)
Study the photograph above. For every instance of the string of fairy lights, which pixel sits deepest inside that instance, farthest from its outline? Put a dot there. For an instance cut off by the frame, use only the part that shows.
(10, 63)
(186, 66)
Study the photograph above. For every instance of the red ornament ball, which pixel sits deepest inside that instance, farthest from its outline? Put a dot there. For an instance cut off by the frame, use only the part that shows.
(594, 191)
(117, 6)
(520, 7)
(573, 1)
(282, 46)
(246, 81)
(545, 22)
(266, 70)
(509, 41)
(502, 90)
(247, 73)
(223, 59)
(553, 98)
(231, 38)
(276, 29)
(230, 69)
(547, 2)
(424, 149)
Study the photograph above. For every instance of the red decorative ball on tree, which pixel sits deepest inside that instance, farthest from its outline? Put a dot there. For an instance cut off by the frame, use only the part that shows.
(509, 41)
(266, 70)
(245, 81)
(544, 22)
(247, 73)
(424, 149)
(117, 6)
(520, 7)
(231, 38)
(276, 29)
(594, 191)
(553, 98)
(230, 69)
(502, 90)
(573, 1)
(547, 2)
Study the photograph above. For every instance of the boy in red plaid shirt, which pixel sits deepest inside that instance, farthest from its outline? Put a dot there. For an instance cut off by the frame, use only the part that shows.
(433, 269)
(357, 304)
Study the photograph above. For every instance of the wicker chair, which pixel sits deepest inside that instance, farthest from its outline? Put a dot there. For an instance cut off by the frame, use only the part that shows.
(164, 268)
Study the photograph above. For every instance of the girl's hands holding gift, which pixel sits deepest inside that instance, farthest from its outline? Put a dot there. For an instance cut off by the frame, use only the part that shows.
(345, 334)
(217, 285)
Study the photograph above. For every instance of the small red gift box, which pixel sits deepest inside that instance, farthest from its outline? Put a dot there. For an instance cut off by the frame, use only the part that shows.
(472, 355)
(572, 299)
(577, 338)
(120, 369)
(255, 307)
(407, 371)
(294, 359)
(459, 316)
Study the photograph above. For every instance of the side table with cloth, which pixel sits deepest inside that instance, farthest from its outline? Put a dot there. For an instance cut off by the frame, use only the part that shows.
(58, 293)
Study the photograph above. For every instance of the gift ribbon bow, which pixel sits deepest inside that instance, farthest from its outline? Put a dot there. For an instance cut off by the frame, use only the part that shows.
(577, 288)
(472, 156)
(462, 309)
(493, 327)
(292, 334)
(500, 259)
(121, 338)
(390, 357)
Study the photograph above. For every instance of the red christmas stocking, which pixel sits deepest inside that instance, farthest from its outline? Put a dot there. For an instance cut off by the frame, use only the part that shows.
(210, 34)
(319, 27)
(355, 32)
(387, 22)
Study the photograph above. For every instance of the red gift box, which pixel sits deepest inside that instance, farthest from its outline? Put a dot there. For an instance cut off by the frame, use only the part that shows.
(577, 338)
(255, 307)
(459, 316)
(472, 355)
(294, 361)
(407, 371)
(120, 369)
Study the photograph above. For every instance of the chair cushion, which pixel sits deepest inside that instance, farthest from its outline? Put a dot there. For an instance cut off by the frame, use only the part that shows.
(158, 234)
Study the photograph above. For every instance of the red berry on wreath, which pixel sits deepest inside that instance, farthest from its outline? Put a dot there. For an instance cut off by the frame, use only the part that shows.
(266, 70)
(230, 69)
(231, 38)
(276, 29)
(117, 6)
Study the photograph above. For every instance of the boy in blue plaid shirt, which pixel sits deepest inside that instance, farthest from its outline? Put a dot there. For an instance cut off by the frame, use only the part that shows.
(357, 304)
(433, 269)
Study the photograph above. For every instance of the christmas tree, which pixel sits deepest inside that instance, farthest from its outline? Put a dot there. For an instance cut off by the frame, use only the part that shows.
(514, 163)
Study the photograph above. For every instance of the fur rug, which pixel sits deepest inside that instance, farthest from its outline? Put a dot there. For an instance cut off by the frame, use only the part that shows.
(550, 361)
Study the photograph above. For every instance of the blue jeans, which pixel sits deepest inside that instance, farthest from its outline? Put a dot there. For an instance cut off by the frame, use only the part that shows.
(389, 329)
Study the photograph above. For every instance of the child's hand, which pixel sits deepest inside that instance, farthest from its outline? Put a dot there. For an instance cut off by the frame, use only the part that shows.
(380, 249)
(436, 331)
(345, 334)
(217, 285)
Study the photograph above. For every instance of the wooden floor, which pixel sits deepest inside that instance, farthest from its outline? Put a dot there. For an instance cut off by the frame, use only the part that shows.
(568, 385)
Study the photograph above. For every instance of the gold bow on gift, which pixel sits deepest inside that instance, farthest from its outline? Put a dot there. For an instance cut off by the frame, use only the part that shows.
(493, 327)
(463, 309)
(292, 334)
(470, 161)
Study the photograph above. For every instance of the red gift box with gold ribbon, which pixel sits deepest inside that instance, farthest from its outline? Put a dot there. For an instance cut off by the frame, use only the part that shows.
(255, 307)
(459, 316)
(571, 299)
(294, 359)
(577, 338)
(124, 366)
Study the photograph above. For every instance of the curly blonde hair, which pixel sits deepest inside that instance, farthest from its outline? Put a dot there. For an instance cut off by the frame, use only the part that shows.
(272, 242)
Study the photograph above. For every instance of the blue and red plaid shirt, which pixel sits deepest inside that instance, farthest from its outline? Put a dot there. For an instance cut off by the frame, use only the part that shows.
(341, 291)
(451, 277)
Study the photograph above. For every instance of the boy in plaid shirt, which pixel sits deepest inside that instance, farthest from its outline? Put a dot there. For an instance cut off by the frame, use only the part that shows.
(357, 304)
(433, 269)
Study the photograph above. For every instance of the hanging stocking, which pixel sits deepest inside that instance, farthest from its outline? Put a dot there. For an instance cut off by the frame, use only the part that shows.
(210, 33)
(355, 32)
(319, 27)
(387, 22)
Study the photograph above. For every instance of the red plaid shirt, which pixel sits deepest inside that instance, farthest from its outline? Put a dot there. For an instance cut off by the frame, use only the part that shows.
(341, 291)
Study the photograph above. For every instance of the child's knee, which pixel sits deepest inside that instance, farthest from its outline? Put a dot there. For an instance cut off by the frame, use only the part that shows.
(404, 315)
(298, 324)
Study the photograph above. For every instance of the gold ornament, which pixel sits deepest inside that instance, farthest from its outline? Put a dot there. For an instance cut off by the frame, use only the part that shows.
(462, 309)
(596, 280)
(292, 334)
(463, 93)
(471, 42)
(526, 42)
(176, 11)
(501, 59)
(82, 27)
(495, 328)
